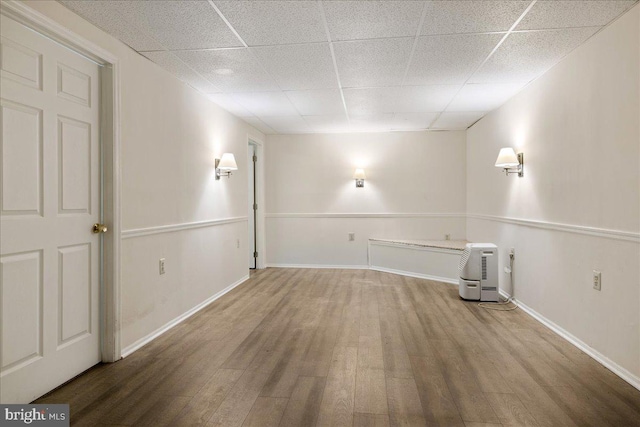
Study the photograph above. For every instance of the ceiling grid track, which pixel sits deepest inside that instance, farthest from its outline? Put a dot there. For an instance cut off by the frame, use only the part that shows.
(333, 58)
(413, 51)
(511, 30)
(246, 46)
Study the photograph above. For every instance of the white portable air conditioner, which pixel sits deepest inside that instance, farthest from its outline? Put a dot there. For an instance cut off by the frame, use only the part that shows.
(478, 270)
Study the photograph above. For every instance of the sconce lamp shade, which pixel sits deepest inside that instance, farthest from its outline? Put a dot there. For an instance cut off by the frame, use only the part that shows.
(507, 158)
(228, 162)
(359, 174)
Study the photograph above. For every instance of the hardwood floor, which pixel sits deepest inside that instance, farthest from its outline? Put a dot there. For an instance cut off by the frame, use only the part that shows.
(300, 347)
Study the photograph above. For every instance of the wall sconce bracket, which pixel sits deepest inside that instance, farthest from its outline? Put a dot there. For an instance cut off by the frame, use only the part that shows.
(518, 169)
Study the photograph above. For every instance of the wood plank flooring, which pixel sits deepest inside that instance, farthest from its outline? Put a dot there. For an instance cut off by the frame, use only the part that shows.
(304, 347)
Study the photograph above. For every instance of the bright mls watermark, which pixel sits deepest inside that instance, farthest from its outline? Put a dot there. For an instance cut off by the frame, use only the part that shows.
(34, 415)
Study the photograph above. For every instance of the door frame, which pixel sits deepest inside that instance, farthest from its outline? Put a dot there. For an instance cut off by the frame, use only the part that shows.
(261, 247)
(110, 346)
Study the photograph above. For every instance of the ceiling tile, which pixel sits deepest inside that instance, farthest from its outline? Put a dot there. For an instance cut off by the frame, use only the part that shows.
(247, 73)
(105, 14)
(423, 99)
(483, 97)
(228, 103)
(564, 14)
(261, 23)
(180, 24)
(456, 120)
(328, 124)
(352, 20)
(372, 62)
(524, 56)
(287, 124)
(175, 66)
(455, 17)
(266, 103)
(317, 102)
(412, 121)
(449, 59)
(371, 122)
(259, 124)
(367, 101)
(299, 67)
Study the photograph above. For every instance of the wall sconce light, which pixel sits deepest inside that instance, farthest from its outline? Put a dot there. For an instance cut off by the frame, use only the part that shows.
(510, 162)
(359, 176)
(225, 165)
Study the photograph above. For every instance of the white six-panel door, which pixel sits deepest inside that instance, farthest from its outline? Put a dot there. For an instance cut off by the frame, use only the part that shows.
(49, 200)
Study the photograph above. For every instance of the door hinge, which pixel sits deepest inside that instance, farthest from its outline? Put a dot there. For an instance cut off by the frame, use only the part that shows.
(255, 159)
(255, 206)
(255, 254)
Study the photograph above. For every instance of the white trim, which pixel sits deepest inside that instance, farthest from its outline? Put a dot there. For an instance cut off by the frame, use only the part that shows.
(139, 232)
(415, 247)
(623, 373)
(569, 228)
(56, 32)
(416, 275)
(320, 266)
(155, 334)
(364, 215)
(110, 303)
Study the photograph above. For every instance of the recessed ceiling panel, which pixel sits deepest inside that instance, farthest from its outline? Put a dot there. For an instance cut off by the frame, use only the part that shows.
(179, 24)
(353, 20)
(423, 99)
(266, 103)
(228, 103)
(373, 62)
(412, 121)
(455, 17)
(449, 59)
(232, 70)
(328, 124)
(175, 66)
(371, 122)
(367, 101)
(259, 124)
(261, 23)
(564, 14)
(317, 102)
(524, 56)
(483, 97)
(106, 15)
(287, 124)
(457, 120)
(299, 67)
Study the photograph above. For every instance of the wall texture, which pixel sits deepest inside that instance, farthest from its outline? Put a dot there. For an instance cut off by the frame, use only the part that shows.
(170, 135)
(577, 208)
(415, 188)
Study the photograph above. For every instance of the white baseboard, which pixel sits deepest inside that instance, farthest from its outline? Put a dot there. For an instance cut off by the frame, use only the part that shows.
(416, 275)
(155, 334)
(344, 267)
(623, 373)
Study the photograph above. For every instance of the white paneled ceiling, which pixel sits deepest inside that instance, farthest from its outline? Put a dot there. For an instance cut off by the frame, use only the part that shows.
(352, 66)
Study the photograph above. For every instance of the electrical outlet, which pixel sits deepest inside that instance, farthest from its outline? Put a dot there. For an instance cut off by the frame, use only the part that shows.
(447, 237)
(597, 280)
(161, 265)
(352, 237)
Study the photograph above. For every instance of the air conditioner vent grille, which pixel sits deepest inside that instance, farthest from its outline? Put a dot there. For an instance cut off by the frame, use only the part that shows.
(464, 258)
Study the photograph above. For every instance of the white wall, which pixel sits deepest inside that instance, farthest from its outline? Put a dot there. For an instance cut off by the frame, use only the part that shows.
(170, 135)
(415, 188)
(579, 130)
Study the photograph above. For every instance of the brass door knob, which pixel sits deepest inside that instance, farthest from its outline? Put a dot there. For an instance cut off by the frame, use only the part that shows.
(99, 228)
